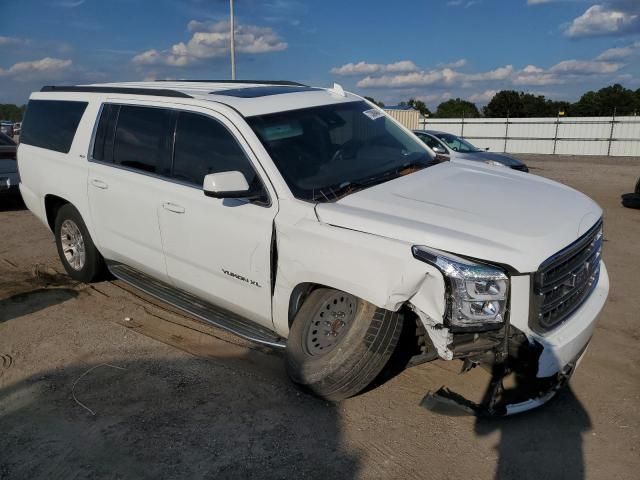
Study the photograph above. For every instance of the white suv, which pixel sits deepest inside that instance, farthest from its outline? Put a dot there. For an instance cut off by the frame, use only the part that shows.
(307, 219)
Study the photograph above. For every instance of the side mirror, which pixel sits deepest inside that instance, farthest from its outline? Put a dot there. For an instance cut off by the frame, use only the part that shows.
(439, 149)
(226, 185)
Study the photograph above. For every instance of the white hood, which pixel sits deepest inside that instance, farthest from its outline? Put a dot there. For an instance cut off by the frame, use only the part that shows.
(487, 213)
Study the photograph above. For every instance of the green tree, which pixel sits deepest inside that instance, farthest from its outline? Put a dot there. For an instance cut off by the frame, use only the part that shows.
(11, 112)
(420, 106)
(373, 100)
(457, 108)
(520, 104)
(604, 101)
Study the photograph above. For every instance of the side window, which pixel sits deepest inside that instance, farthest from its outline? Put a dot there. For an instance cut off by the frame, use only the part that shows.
(103, 143)
(433, 143)
(52, 124)
(143, 139)
(203, 146)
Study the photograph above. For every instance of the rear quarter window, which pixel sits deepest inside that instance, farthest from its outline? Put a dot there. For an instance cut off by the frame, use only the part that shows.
(52, 124)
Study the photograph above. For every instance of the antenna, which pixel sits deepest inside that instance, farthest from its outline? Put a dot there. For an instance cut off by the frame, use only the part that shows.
(338, 90)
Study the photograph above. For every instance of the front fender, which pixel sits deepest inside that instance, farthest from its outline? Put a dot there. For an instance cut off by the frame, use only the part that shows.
(379, 270)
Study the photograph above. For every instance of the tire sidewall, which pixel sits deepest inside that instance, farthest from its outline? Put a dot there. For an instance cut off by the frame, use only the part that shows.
(93, 260)
(305, 368)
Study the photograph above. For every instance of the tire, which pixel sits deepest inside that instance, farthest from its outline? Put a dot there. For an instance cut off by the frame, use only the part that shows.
(71, 234)
(631, 200)
(361, 350)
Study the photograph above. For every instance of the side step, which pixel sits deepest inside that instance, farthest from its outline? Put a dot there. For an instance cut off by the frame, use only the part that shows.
(196, 307)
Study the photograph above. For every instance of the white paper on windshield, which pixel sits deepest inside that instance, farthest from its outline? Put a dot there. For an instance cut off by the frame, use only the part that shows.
(373, 114)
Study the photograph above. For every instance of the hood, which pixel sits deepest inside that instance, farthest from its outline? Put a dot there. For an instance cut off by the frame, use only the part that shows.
(8, 165)
(492, 214)
(498, 157)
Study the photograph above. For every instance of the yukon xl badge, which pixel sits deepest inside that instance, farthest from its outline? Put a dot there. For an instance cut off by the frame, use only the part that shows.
(240, 277)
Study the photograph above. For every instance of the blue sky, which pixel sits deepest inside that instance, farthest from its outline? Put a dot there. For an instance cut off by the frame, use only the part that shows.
(392, 50)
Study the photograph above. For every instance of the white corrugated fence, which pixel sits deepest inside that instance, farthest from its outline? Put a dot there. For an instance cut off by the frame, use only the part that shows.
(617, 136)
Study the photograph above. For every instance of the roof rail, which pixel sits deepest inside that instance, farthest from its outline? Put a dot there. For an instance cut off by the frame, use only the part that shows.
(156, 92)
(262, 82)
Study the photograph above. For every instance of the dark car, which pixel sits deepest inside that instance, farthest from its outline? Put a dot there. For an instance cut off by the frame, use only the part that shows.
(6, 128)
(9, 178)
(457, 148)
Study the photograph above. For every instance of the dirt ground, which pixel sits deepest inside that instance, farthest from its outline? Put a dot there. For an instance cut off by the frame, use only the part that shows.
(99, 381)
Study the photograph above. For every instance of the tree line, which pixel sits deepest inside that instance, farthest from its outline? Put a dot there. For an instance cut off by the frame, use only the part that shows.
(604, 102)
(11, 112)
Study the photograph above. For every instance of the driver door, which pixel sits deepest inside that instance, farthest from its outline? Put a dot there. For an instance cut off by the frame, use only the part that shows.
(216, 249)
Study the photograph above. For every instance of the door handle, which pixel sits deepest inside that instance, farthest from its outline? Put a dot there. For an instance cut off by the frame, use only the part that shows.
(99, 184)
(172, 207)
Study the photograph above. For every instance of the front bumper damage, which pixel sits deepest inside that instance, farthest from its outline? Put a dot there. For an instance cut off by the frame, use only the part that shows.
(516, 359)
(526, 369)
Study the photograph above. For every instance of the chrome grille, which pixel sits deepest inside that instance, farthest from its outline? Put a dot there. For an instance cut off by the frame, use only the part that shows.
(565, 281)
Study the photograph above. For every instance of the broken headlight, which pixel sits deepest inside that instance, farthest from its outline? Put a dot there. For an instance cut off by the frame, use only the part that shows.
(476, 295)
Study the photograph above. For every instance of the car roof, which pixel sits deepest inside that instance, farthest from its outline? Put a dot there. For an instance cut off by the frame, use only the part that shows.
(249, 97)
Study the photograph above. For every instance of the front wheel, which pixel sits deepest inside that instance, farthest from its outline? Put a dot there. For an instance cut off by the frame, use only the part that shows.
(78, 254)
(339, 343)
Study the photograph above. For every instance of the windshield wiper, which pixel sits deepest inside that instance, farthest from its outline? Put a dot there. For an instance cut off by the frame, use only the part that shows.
(335, 193)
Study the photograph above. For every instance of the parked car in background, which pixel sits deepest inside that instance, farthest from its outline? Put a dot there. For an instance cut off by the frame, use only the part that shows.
(17, 128)
(308, 219)
(632, 200)
(9, 178)
(457, 148)
(6, 127)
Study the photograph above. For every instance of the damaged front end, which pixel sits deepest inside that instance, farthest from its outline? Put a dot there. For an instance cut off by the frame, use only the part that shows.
(475, 327)
(508, 357)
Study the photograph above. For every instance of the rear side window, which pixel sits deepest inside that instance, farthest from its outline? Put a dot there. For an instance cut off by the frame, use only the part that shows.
(143, 139)
(103, 143)
(52, 124)
(204, 146)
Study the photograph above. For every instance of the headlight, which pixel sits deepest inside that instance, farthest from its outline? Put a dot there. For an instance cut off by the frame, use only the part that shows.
(477, 294)
(494, 163)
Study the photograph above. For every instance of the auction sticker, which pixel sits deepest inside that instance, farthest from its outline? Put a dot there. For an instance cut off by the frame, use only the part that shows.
(373, 114)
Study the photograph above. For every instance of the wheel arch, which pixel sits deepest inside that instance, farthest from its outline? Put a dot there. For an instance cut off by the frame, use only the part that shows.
(52, 205)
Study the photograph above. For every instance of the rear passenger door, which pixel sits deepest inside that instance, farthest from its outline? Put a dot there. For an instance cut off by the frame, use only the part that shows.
(217, 249)
(131, 154)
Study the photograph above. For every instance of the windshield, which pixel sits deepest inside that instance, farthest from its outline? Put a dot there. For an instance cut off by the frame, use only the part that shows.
(327, 152)
(457, 144)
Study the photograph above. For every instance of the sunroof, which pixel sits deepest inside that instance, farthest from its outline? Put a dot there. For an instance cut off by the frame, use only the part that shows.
(263, 91)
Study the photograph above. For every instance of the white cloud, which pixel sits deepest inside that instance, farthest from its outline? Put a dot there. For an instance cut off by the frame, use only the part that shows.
(440, 77)
(11, 41)
(457, 64)
(620, 52)
(211, 40)
(423, 78)
(38, 68)
(463, 3)
(68, 3)
(585, 67)
(501, 73)
(615, 18)
(364, 68)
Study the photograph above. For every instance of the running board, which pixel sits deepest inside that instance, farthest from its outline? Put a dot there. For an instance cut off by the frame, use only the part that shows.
(196, 307)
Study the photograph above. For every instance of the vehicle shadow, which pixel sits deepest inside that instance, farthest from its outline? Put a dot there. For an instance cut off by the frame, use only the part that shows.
(32, 301)
(543, 443)
(12, 204)
(188, 418)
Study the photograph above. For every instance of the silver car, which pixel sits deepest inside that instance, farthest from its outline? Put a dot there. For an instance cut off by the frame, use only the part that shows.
(457, 148)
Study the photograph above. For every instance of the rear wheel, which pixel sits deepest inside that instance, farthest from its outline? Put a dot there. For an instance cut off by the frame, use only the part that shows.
(339, 343)
(78, 254)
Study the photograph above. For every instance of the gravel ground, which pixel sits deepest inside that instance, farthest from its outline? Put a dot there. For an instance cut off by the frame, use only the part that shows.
(100, 381)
